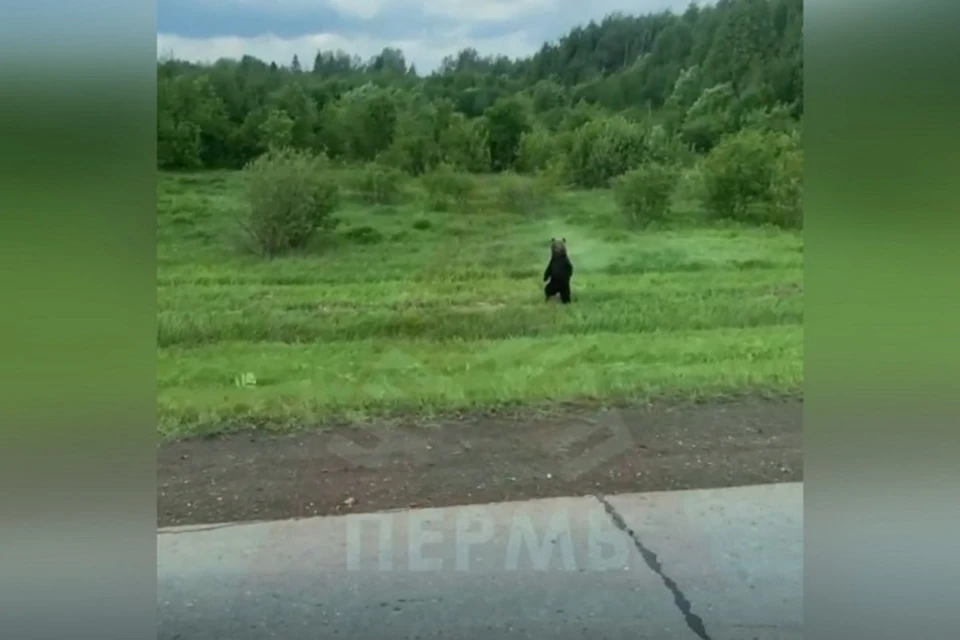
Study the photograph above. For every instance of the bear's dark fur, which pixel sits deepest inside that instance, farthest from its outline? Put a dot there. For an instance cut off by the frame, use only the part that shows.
(558, 273)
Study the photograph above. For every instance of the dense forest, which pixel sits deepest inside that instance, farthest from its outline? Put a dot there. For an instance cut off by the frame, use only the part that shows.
(632, 87)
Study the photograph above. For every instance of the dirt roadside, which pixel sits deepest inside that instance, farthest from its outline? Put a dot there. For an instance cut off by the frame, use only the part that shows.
(480, 459)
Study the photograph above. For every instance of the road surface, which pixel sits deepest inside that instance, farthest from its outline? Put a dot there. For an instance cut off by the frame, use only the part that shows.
(723, 564)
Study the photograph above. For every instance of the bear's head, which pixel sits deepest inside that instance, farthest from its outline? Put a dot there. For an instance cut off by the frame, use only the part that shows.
(558, 247)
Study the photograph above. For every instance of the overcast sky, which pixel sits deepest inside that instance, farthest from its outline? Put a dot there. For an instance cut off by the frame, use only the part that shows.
(426, 30)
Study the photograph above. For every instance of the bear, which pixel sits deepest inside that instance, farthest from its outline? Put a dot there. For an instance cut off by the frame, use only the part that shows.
(558, 273)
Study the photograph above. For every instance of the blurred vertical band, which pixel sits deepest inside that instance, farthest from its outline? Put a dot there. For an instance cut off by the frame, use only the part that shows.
(77, 393)
(880, 411)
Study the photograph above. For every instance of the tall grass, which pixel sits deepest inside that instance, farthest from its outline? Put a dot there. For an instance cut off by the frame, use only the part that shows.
(407, 309)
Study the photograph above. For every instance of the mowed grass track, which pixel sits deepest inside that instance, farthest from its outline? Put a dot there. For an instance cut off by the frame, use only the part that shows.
(407, 311)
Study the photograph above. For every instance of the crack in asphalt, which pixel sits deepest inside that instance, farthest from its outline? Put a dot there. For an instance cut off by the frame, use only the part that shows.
(208, 527)
(694, 622)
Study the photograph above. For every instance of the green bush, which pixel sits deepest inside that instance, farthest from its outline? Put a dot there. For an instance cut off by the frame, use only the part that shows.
(538, 149)
(663, 148)
(290, 197)
(755, 177)
(276, 131)
(464, 144)
(603, 149)
(643, 194)
(447, 189)
(709, 118)
(381, 184)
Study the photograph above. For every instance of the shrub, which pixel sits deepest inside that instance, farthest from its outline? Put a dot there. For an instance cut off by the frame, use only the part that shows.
(290, 197)
(381, 184)
(465, 145)
(643, 194)
(603, 149)
(755, 177)
(664, 148)
(537, 150)
(709, 118)
(447, 189)
(276, 131)
(737, 175)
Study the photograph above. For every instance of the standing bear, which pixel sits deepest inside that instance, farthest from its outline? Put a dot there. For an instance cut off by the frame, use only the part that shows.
(558, 273)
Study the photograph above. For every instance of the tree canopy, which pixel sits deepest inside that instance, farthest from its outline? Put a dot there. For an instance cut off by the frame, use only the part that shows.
(637, 86)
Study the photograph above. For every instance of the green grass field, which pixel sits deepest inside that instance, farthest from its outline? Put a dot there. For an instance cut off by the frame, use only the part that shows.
(405, 310)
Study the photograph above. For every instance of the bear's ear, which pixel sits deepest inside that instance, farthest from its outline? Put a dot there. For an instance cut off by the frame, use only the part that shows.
(563, 240)
(552, 240)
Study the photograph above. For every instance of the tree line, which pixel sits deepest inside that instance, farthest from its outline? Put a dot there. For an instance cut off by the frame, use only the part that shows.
(600, 101)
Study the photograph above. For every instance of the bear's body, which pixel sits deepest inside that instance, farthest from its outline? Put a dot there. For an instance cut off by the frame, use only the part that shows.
(558, 273)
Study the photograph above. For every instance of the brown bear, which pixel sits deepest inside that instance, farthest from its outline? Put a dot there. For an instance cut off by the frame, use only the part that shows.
(558, 273)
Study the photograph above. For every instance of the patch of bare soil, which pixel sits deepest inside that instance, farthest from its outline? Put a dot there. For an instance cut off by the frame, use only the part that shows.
(480, 459)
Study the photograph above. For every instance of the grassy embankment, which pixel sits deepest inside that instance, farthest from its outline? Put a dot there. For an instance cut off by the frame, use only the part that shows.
(411, 311)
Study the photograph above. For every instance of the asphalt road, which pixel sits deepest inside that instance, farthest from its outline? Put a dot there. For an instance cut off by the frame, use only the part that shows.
(717, 564)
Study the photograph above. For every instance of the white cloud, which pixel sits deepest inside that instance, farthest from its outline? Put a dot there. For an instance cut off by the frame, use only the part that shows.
(476, 11)
(485, 10)
(437, 28)
(363, 9)
(425, 53)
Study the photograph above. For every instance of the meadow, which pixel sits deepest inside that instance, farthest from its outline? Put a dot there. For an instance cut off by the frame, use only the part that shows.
(404, 311)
